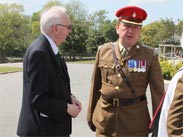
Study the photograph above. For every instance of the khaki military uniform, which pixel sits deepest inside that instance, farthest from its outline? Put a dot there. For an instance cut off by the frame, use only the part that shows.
(175, 113)
(130, 120)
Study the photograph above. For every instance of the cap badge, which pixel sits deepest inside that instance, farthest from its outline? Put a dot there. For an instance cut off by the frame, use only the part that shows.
(134, 14)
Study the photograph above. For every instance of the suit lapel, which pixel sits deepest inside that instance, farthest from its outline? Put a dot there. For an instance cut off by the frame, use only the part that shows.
(65, 70)
(61, 70)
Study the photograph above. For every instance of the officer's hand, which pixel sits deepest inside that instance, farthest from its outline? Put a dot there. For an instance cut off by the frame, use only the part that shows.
(92, 127)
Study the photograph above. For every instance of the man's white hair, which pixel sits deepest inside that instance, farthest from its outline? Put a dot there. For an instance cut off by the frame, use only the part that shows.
(50, 17)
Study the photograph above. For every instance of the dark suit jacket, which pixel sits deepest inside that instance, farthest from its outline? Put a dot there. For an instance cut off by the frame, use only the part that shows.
(46, 90)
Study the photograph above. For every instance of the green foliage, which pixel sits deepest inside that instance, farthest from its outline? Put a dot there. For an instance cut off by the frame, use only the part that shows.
(83, 62)
(179, 65)
(14, 28)
(89, 30)
(101, 30)
(179, 27)
(35, 29)
(77, 11)
(150, 34)
(75, 42)
(167, 29)
(169, 70)
(52, 3)
(109, 31)
(9, 69)
(94, 40)
(35, 25)
(163, 31)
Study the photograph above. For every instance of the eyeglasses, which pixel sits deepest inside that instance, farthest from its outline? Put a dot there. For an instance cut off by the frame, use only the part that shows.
(69, 27)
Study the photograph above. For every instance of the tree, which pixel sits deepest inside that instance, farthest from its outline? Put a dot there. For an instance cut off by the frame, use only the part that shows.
(163, 31)
(97, 19)
(75, 43)
(52, 3)
(101, 30)
(36, 17)
(150, 34)
(77, 11)
(167, 31)
(109, 31)
(94, 40)
(179, 27)
(35, 25)
(14, 28)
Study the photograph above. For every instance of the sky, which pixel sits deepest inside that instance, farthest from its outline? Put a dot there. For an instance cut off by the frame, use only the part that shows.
(156, 9)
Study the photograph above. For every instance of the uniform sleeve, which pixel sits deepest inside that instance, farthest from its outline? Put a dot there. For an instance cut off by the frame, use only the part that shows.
(94, 91)
(156, 83)
(175, 113)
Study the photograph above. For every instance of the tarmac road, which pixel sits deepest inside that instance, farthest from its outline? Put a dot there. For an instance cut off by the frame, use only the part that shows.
(11, 96)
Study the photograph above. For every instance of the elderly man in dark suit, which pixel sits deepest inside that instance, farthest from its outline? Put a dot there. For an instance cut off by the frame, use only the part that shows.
(48, 104)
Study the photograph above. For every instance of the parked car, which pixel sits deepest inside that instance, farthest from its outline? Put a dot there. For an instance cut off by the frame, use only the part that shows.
(170, 54)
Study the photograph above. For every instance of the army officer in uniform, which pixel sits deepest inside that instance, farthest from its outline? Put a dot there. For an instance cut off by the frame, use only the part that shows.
(117, 103)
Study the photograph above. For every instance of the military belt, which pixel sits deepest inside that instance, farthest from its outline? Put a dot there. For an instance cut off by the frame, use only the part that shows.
(123, 101)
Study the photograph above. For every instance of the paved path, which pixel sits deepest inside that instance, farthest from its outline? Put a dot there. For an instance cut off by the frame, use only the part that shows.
(11, 96)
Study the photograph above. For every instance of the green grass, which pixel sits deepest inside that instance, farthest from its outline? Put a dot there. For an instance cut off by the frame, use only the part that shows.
(83, 62)
(14, 59)
(9, 69)
(4, 70)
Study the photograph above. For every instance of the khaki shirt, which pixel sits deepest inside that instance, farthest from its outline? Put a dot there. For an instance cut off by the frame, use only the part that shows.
(132, 120)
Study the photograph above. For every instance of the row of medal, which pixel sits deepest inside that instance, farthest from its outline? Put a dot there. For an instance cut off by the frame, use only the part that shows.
(137, 65)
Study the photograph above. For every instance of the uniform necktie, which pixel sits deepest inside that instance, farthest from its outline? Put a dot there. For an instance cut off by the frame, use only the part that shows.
(124, 52)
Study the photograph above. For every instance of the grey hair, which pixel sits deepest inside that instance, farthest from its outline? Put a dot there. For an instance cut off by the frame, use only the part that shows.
(50, 17)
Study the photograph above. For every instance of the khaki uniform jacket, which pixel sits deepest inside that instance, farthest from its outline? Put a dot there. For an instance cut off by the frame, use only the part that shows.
(131, 120)
(175, 113)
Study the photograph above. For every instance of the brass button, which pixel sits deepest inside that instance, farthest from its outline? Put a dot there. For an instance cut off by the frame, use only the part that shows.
(119, 75)
(137, 46)
(116, 87)
(121, 63)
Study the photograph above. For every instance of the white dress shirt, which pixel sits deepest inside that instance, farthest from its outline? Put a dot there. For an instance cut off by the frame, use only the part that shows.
(53, 45)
